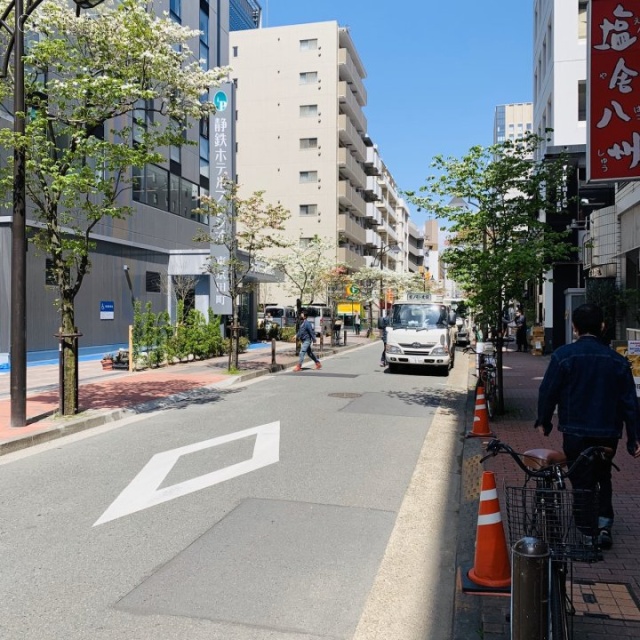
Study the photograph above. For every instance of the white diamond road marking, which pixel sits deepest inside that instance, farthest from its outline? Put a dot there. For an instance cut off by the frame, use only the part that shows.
(143, 492)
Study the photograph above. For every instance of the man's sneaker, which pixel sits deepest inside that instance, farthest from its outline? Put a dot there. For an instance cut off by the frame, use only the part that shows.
(605, 541)
(318, 365)
(297, 367)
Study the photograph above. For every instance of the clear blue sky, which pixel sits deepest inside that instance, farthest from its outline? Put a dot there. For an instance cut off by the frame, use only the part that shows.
(435, 70)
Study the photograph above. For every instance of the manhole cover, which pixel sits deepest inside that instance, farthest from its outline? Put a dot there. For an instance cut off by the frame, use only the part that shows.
(345, 395)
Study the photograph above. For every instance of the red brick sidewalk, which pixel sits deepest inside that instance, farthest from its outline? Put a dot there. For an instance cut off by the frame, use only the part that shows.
(609, 591)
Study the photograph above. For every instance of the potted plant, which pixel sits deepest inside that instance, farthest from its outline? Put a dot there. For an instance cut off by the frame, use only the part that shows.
(121, 359)
(107, 361)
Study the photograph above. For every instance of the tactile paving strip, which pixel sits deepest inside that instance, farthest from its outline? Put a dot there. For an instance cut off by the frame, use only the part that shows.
(610, 600)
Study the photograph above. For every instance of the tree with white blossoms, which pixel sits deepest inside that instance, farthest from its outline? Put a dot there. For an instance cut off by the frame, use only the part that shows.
(305, 267)
(91, 82)
(245, 227)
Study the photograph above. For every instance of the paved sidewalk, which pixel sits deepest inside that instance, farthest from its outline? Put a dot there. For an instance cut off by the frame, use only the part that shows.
(105, 396)
(607, 593)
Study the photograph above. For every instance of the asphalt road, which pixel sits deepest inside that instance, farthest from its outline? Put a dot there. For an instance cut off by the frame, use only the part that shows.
(319, 504)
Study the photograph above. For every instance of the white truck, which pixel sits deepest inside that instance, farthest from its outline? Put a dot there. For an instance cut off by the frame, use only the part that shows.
(421, 332)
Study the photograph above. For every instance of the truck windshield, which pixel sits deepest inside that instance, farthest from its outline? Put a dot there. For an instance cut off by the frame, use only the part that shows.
(420, 316)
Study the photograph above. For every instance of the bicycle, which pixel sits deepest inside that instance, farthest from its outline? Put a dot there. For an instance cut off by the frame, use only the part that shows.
(488, 376)
(566, 519)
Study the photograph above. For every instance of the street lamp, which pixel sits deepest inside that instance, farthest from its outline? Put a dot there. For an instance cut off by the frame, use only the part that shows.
(22, 9)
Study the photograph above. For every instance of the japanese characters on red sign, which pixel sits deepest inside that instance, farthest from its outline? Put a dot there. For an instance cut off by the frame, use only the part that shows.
(614, 91)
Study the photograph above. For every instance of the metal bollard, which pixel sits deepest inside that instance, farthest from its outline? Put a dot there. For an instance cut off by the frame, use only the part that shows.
(273, 351)
(530, 589)
(321, 343)
(345, 338)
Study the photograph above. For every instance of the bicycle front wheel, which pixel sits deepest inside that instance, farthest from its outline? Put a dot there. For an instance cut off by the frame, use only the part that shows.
(559, 604)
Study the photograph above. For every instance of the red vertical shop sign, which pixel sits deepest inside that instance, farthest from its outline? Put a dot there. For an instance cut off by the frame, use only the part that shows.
(614, 90)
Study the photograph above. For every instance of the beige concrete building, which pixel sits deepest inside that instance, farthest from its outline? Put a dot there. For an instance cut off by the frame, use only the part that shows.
(302, 138)
(512, 121)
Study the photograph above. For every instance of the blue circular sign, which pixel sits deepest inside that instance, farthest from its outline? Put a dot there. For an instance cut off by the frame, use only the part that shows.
(220, 101)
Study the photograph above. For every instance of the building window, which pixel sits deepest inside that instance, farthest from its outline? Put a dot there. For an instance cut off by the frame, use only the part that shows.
(204, 39)
(142, 119)
(308, 209)
(308, 44)
(582, 101)
(308, 176)
(157, 187)
(151, 186)
(308, 143)
(235, 52)
(153, 282)
(160, 189)
(308, 110)
(582, 19)
(175, 10)
(308, 77)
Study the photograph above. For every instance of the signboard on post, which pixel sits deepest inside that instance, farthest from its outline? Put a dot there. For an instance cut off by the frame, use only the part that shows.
(107, 310)
(613, 138)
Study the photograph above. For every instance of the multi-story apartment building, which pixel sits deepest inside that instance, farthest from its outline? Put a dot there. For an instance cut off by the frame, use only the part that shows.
(137, 256)
(302, 138)
(512, 121)
(559, 116)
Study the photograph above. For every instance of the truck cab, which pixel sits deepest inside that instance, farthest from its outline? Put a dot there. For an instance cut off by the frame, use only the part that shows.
(421, 332)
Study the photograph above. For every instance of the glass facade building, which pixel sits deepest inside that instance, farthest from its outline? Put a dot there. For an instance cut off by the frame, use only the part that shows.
(244, 14)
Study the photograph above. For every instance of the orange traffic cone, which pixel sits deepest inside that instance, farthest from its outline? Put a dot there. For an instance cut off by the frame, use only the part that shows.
(491, 569)
(480, 427)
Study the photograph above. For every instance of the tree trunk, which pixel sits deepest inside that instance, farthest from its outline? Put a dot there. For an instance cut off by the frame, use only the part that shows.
(499, 343)
(69, 360)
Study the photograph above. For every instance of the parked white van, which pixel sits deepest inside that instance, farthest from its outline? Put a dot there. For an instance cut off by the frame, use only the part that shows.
(320, 317)
(280, 315)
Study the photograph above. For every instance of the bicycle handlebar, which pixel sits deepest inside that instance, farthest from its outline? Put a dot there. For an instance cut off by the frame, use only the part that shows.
(494, 447)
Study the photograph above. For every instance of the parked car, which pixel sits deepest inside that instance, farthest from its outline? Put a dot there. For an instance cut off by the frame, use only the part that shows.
(463, 335)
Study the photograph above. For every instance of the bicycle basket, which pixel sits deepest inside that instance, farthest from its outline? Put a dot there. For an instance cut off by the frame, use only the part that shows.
(567, 520)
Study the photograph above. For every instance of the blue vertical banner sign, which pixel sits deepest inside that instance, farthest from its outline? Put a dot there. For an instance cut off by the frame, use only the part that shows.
(223, 169)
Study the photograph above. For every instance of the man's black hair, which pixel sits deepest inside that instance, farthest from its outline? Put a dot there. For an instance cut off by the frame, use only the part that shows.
(588, 318)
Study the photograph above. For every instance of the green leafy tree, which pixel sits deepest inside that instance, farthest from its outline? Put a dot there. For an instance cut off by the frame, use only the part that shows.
(245, 227)
(492, 198)
(94, 82)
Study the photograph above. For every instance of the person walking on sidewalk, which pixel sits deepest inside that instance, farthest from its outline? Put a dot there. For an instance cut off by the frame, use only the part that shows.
(521, 331)
(356, 323)
(307, 335)
(593, 388)
(383, 323)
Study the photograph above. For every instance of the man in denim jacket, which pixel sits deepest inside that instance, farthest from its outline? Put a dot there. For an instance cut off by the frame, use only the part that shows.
(594, 390)
(306, 335)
